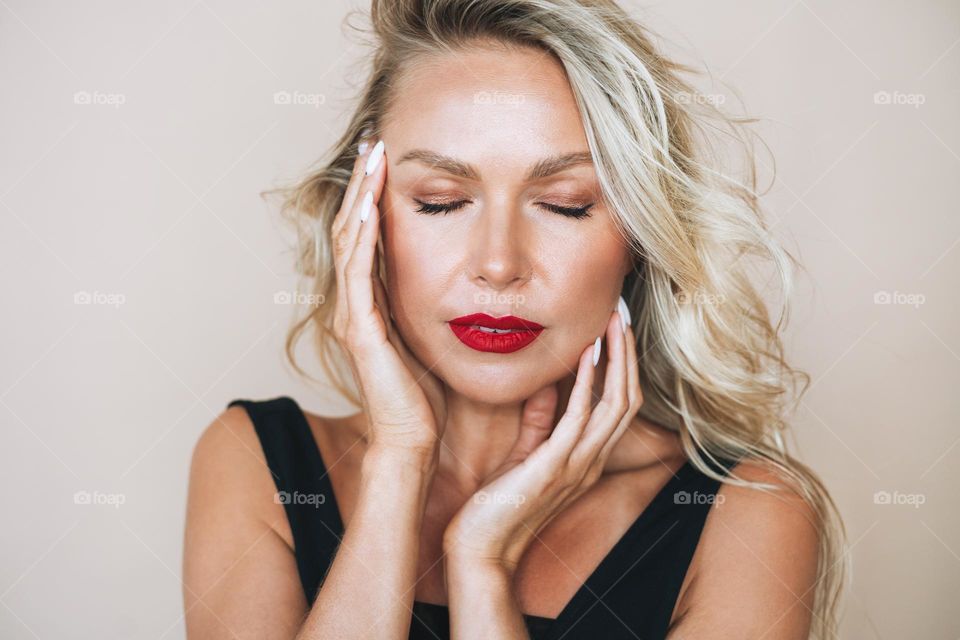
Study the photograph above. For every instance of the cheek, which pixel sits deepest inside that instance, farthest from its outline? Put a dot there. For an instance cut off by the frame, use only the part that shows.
(589, 276)
(414, 284)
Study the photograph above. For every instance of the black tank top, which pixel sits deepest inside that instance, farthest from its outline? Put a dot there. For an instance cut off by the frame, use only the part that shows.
(631, 593)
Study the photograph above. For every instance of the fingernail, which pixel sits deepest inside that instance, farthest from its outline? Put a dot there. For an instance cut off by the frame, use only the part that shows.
(596, 351)
(364, 141)
(375, 156)
(624, 312)
(365, 206)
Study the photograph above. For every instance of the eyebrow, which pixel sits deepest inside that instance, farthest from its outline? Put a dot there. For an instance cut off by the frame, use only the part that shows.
(541, 169)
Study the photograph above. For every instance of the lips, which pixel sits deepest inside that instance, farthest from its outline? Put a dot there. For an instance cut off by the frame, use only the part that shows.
(505, 334)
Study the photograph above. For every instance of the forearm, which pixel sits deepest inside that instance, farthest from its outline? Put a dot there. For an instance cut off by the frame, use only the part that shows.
(368, 591)
(482, 602)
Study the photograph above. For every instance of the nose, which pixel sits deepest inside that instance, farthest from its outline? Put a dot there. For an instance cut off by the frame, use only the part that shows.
(499, 250)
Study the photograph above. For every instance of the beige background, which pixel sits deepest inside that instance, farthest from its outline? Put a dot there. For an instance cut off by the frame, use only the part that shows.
(143, 192)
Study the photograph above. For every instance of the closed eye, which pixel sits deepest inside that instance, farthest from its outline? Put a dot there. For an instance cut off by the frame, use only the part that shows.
(431, 208)
(571, 212)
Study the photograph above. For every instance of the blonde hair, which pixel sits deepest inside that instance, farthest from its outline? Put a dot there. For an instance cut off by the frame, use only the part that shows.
(712, 362)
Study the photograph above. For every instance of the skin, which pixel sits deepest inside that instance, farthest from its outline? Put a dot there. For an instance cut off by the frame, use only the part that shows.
(444, 421)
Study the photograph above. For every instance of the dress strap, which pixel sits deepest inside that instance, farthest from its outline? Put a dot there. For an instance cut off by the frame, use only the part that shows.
(303, 486)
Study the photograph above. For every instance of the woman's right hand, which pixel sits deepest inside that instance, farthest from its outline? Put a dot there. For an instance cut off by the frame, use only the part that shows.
(404, 402)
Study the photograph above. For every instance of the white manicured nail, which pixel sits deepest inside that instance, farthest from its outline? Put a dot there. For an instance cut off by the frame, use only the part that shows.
(375, 156)
(365, 206)
(624, 312)
(596, 351)
(364, 141)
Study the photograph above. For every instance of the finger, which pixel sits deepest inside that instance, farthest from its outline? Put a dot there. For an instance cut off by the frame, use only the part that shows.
(568, 430)
(350, 273)
(536, 423)
(371, 187)
(608, 412)
(635, 394)
(339, 240)
(359, 272)
(350, 193)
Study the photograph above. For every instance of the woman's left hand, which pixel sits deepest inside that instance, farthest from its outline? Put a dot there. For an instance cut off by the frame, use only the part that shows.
(548, 469)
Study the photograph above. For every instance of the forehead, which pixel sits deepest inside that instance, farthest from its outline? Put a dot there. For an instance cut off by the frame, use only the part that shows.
(486, 99)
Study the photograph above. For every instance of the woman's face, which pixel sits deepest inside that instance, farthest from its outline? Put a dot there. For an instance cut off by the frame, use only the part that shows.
(480, 130)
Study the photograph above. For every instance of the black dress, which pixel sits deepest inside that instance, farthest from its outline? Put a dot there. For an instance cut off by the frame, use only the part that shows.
(630, 595)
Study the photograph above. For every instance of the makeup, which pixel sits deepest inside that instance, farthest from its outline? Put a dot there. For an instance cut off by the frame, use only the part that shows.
(505, 334)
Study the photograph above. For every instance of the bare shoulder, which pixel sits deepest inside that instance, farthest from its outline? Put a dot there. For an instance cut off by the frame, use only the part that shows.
(782, 509)
(754, 570)
(228, 463)
(235, 549)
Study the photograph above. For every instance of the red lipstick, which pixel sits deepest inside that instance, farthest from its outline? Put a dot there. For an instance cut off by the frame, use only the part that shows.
(498, 335)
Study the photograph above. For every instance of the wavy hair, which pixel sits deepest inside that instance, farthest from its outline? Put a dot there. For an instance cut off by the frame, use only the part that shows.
(712, 362)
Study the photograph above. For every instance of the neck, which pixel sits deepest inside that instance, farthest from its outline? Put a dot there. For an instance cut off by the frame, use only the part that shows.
(478, 436)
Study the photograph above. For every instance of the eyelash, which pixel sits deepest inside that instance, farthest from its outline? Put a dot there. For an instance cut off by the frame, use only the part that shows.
(431, 209)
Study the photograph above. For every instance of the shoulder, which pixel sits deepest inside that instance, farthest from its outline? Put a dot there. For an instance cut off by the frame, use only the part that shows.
(779, 509)
(757, 555)
(228, 433)
(238, 548)
(229, 471)
(229, 450)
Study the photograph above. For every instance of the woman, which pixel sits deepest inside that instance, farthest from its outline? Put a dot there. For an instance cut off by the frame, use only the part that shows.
(570, 395)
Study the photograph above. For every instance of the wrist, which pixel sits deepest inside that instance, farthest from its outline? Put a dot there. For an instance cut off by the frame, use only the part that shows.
(471, 573)
(470, 562)
(394, 480)
(379, 455)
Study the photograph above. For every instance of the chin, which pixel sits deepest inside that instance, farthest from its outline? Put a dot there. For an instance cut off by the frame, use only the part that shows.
(494, 383)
